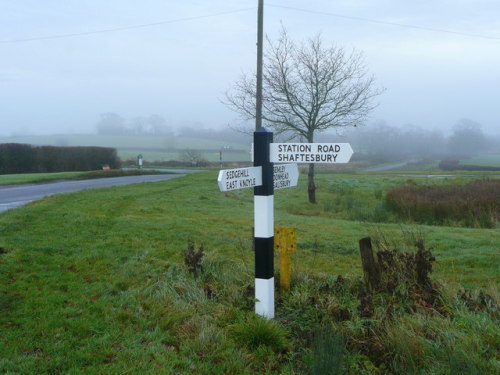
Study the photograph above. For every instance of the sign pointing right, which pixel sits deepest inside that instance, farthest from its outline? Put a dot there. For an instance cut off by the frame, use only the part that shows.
(325, 153)
(285, 175)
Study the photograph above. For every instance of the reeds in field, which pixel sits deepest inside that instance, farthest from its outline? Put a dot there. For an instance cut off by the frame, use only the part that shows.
(473, 205)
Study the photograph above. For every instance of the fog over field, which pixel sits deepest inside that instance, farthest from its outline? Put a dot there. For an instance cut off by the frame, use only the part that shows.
(65, 64)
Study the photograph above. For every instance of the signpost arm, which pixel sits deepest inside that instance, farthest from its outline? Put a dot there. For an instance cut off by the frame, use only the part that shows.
(264, 226)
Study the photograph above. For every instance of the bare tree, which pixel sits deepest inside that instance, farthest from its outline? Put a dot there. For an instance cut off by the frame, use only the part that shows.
(307, 88)
(467, 139)
(193, 157)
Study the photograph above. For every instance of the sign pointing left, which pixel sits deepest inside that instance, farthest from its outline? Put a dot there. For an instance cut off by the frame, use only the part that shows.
(241, 178)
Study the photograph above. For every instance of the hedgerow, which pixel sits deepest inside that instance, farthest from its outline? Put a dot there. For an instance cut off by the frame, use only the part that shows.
(22, 158)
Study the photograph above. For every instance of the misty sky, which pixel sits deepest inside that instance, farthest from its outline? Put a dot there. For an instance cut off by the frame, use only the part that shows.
(181, 67)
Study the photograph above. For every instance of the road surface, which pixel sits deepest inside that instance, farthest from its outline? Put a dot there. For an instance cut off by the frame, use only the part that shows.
(12, 196)
(386, 167)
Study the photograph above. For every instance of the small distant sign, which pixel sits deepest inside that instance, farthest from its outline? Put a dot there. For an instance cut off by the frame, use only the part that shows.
(285, 175)
(241, 178)
(323, 153)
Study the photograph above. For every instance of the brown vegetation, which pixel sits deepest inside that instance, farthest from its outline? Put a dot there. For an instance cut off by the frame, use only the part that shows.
(474, 205)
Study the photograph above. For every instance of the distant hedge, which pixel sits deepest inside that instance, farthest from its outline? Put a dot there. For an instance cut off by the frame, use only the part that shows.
(454, 165)
(22, 158)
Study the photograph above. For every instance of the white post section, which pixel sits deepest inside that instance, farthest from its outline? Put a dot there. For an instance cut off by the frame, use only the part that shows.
(264, 293)
(263, 216)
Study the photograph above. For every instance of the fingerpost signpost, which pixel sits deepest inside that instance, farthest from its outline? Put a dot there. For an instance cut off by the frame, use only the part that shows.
(265, 177)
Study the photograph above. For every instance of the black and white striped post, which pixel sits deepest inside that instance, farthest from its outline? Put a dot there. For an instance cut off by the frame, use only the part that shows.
(265, 177)
(264, 226)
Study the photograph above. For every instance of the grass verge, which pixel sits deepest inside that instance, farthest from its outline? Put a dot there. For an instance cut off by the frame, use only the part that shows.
(95, 282)
(32, 178)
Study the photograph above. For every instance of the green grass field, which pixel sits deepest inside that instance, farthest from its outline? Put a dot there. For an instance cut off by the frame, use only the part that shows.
(490, 160)
(93, 282)
(140, 141)
(213, 156)
(28, 178)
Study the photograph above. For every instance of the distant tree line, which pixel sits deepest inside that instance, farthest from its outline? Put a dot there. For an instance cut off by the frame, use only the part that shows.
(113, 124)
(22, 158)
(382, 142)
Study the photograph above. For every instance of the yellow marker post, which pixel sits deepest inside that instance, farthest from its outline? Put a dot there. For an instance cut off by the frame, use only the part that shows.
(285, 243)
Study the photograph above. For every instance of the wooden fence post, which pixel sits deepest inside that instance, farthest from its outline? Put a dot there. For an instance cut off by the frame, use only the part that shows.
(371, 269)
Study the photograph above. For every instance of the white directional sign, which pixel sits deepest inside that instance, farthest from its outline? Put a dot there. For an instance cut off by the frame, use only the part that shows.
(285, 175)
(241, 178)
(325, 153)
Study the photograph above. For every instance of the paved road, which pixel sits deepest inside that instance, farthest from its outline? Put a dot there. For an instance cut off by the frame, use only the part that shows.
(169, 170)
(12, 196)
(386, 167)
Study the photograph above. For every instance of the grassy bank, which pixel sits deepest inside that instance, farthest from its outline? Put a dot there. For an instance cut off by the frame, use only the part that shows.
(94, 282)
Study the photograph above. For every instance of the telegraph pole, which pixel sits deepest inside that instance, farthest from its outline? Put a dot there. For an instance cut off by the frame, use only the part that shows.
(260, 42)
(263, 195)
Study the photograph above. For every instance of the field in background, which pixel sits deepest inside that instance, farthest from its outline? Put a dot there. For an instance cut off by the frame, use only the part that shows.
(165, 148)
(491, 160)
(153, 148)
